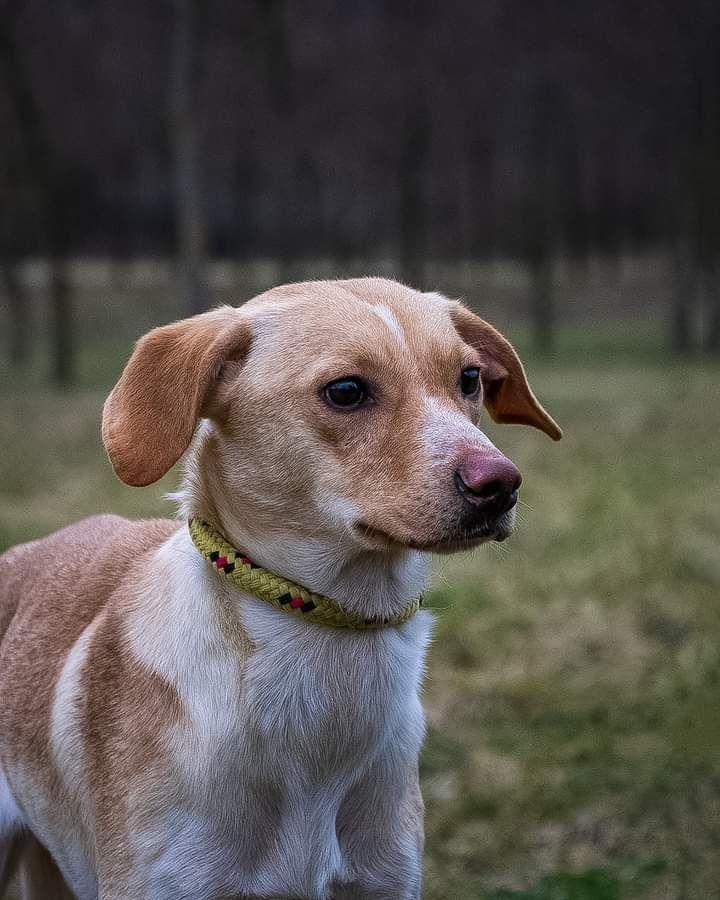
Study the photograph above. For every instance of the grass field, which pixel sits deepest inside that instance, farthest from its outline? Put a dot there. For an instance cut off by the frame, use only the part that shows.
(573, 690)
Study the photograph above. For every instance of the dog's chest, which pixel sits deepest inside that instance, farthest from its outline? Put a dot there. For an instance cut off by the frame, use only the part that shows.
(332, 697)
(268, 770)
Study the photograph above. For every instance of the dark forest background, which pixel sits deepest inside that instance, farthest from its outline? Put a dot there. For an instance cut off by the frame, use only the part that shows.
(375, 130)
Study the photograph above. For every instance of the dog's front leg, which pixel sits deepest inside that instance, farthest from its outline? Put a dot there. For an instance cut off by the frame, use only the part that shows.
(380, 830)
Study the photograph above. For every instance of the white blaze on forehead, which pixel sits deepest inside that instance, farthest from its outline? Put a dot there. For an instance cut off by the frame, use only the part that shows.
(446, 429)
(388, 317)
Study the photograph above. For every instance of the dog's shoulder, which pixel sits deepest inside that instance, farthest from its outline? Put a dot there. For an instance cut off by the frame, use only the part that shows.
(55, 594)
(66, 577)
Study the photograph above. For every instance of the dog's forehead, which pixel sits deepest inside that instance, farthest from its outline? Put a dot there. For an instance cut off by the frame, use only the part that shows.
(348, 316)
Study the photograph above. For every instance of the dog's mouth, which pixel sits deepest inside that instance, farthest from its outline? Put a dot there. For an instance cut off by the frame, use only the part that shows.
(456, 540)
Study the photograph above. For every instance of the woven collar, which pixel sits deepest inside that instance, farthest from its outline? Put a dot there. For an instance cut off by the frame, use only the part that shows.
(251, 578)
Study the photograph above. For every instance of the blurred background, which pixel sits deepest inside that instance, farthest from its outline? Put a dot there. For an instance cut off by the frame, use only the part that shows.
(557, 165)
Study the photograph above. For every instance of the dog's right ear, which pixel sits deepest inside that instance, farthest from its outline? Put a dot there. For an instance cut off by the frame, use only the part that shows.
(150, 416)
(506, 392)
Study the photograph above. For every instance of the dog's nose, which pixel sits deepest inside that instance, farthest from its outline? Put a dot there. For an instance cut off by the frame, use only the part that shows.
(489, 481)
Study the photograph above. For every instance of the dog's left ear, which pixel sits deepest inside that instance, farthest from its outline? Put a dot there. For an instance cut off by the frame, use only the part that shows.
(507, 394)
(150, 416)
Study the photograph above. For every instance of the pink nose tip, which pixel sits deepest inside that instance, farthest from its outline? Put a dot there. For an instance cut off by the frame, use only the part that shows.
(489, 480)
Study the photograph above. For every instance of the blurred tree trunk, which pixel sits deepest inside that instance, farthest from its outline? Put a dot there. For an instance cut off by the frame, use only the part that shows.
(18, 301)
(274, 51)
(49, 180)
(710, 169)
(684, 291)
(543, 300)
(685, 251)
(544, 219)
(300, 197)
(712, 314)
(697, 197)
(189, 202)
(413, 202)
(62, 325)
(574, 201)
(415, 152)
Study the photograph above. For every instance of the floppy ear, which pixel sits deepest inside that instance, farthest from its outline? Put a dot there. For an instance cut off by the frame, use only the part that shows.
(150, 416)
(506, 392)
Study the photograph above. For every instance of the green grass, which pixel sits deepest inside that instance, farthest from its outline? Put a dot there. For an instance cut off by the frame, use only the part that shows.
(573, 691)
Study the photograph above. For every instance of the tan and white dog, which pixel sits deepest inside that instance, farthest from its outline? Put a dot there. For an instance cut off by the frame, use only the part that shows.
(164, 735)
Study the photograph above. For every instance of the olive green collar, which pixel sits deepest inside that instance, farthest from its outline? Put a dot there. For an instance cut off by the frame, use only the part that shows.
(293, 598)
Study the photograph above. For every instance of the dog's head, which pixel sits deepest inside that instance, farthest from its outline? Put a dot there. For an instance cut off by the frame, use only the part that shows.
(348, 406)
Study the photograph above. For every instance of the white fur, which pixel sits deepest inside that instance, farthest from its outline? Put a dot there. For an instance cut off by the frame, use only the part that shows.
(10, 817)
(65, 738)
(314, 711)
(389, 318)
(446, 429)
(328, 707)
(10, 822)
(71, 764)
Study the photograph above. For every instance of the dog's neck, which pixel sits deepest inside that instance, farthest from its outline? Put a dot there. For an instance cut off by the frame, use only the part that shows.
(372, 583)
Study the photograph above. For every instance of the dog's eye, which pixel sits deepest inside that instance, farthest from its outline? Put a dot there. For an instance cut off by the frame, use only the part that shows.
(346, 392)
(469, 381)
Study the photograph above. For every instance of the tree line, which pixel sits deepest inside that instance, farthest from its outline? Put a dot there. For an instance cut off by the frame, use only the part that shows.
(410, 130)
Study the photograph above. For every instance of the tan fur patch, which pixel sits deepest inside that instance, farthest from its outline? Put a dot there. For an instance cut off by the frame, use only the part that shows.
(57, 586)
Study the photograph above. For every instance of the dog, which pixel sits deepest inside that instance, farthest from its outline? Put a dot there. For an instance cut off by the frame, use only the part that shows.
(230, 708)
